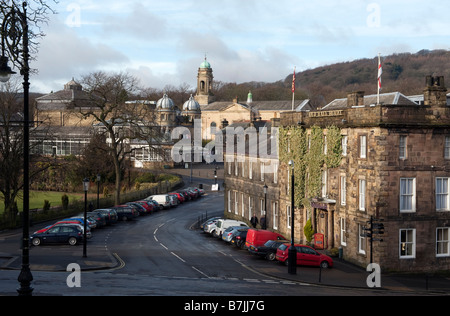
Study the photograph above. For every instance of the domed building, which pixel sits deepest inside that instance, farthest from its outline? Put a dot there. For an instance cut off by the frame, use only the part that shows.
(166, 113)
(191, 109)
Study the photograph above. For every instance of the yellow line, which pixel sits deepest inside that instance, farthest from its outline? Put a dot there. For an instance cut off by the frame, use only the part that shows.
(122, 263)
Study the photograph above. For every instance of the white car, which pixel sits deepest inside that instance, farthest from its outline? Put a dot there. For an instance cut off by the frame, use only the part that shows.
(210, 226)
(223, 224)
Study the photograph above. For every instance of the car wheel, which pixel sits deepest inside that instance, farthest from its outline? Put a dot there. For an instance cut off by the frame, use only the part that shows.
(36, 241)
(324, 264)
(270, 256)
(72, 241)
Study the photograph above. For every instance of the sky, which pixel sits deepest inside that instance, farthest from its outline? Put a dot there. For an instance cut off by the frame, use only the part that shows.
(164, 42)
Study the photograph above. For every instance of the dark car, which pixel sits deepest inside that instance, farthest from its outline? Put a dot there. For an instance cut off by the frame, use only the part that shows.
(239, 239)
(126, 212)
(138, 207)
(98, 216)
(110, 215)
(71, 234)
(268, 250)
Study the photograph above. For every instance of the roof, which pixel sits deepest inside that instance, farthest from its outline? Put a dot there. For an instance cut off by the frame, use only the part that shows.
(395, 98)
(260, 105)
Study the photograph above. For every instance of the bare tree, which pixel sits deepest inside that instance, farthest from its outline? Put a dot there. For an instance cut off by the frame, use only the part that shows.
(115, 117)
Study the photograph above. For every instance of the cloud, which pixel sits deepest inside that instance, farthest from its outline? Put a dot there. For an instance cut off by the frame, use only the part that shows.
(63, 54)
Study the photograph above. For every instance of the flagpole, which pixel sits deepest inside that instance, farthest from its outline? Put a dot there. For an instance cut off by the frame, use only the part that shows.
(293, 90)
(379, 78)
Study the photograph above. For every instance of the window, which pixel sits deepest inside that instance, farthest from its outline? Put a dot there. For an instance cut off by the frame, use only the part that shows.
(250, 169)
(361, 240)
(362, 194)
(407, 243)
(261, 206)
(229, 201)
(344, 145)
(442, 242)
(243, 169)
(407, 194)
(442, 195)
(343, 232)
(275, 172)
(343, 190)
(262, 170)
(250, 207)
(275, 214)
(402, 147)
(447, 147)
(362, 146)
(236, 201)
(242, 204)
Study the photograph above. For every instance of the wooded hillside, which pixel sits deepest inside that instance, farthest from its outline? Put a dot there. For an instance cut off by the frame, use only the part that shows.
(401, 72)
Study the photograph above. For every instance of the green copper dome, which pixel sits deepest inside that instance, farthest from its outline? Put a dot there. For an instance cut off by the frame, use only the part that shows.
(205, 64)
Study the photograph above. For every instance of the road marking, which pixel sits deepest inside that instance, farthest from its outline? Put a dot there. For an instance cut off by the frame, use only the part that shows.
(164, 246)
(200, 271)
(178, 257)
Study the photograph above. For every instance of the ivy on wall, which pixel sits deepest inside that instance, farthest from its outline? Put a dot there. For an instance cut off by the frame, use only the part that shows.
(306, 148)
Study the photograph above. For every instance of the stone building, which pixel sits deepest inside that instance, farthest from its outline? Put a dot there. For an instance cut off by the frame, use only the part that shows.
(356, 159)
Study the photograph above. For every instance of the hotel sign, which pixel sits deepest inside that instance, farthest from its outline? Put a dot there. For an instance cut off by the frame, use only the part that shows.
(326, 113)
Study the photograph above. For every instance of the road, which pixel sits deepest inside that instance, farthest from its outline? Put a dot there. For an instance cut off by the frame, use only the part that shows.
(161, 254)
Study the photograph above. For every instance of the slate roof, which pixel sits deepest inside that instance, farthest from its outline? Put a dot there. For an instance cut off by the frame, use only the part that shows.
(394, 98)
(259, 105)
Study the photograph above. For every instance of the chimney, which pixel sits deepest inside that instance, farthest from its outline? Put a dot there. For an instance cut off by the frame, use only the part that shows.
(355, 98)
(435, 92)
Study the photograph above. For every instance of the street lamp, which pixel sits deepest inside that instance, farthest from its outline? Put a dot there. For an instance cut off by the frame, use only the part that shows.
(292, 252)
(265, 206)
(86, 189)
(14, 29)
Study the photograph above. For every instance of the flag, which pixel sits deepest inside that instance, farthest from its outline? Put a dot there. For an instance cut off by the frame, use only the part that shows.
(380, 71)
(293, 82)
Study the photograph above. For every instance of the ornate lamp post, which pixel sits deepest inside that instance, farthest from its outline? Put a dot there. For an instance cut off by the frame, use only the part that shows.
(14, 29)
(292, 252)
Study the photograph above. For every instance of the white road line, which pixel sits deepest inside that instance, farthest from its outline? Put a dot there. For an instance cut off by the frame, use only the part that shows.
(200, 272)
(164, 246)
(178, 257)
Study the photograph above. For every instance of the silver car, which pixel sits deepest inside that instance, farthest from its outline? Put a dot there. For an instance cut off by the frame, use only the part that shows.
(231, 231)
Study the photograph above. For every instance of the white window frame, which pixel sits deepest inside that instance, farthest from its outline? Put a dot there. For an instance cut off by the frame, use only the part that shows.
(447, 147)
(362, 194)
(229, 201)
(407, 191)
(343, 190)
(408, 242)
(243, 204)
(262, 170)
(324, 183)
(361, 240)
(344, 145)
(443, 242)
(250, 169)
(343, 228)
(236, 202)
(363, 146)
(275, 215)
(442, 194)
(402, 147)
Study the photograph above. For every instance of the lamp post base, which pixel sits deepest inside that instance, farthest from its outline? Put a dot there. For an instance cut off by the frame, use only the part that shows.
(292, 260)
(25, 278)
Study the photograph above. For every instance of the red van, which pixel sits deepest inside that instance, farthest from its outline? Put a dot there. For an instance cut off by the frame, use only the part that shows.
(258, 237)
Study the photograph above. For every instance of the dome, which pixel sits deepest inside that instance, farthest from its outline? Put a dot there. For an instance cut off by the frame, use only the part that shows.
(165, 103)
(191, 105)
(205, 64)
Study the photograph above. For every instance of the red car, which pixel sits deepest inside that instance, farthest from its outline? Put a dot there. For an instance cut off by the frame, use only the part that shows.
(305, 256)
(146, 205)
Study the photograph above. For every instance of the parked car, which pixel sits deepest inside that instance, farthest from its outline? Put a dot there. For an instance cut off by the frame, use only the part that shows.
(125, 212)
(148, 205)
(179, 196)
(202, 225)
(66, 222)
(71, 234)
(156, 206)
(99, 217)
(210, 226)
(305, 256)
(110, 215)
(223, 224)
(239, 239)
(162, 199)
(268, 250)
(141, 209)
(228, 234)
(258, 237)
(173, 200)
